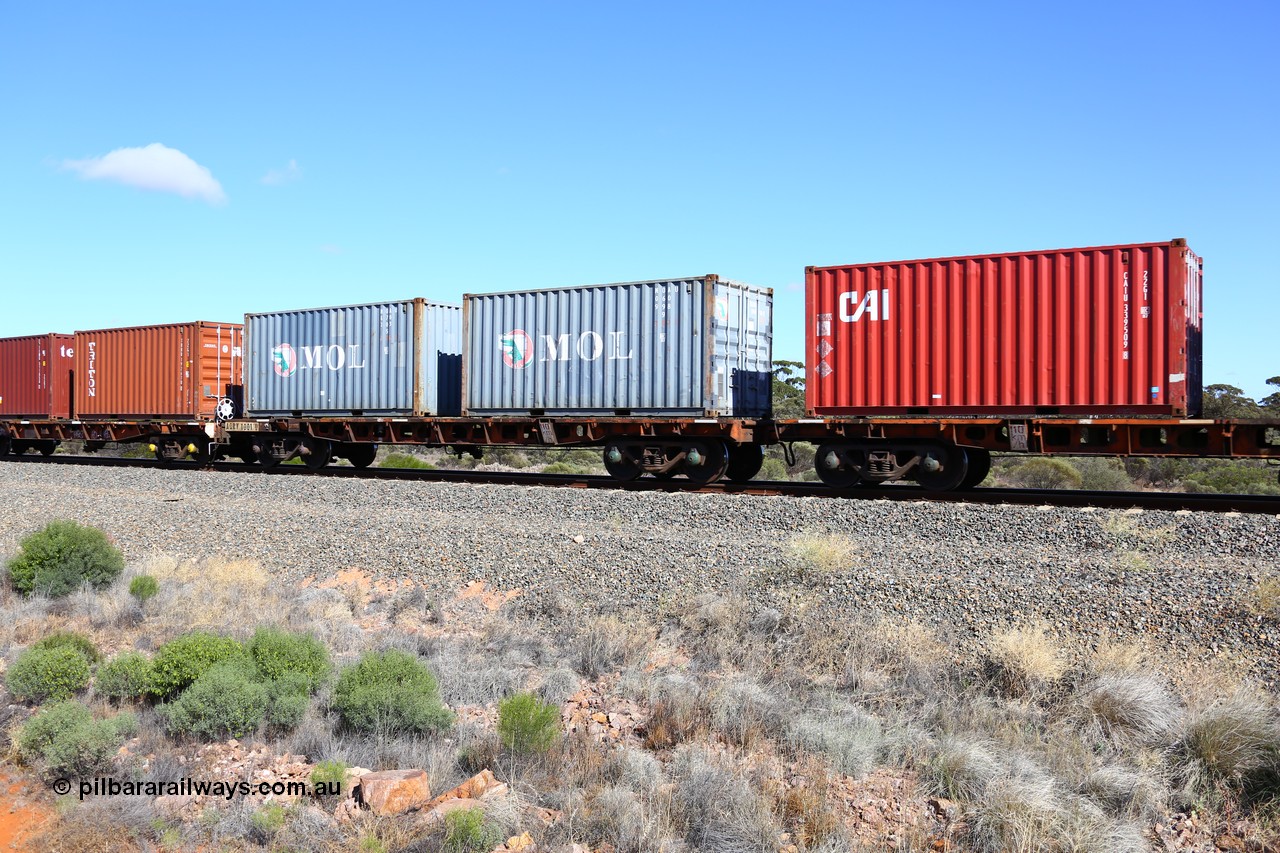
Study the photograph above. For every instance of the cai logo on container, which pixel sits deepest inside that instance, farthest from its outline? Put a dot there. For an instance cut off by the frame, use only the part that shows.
(284, 358)
(517, 348)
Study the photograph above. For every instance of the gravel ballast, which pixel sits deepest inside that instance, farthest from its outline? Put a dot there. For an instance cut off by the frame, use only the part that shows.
(1181, 580)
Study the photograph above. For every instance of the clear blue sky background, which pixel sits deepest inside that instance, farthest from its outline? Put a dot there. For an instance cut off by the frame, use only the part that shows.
(440, 149)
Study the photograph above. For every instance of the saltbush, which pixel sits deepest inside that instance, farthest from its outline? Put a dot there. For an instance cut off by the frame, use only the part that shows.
(40, 674)
(332, 774)
(70, 742)
(278, 653)
(1046, 473)
(70, 640)
(143, 587)
(467, 831)
(527, 724)
(287, 700)
(227, 700)
(179, 662)
(390, 691)
(63, 556)
(126, 676)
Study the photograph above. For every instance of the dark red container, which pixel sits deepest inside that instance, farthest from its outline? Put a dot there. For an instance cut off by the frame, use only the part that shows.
(1111, 330)
(178, 370)
(35, 376)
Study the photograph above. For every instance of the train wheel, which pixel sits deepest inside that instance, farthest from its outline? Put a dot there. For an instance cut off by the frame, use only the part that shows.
(943, 468)
(745, 461)
(705, 461)
(266, 456)
(360, 455)
(6, 444)
(47, 448)
(832, 469)
(619, 464)
(315, 452)
(979, 467)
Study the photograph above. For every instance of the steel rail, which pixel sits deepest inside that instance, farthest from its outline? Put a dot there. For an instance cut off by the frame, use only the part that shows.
(1169, 501)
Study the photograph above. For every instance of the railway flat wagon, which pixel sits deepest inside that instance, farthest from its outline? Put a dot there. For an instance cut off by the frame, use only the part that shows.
(186, 371)
(35, 376)
(693, 347)
(385, 359)
(1110, 330)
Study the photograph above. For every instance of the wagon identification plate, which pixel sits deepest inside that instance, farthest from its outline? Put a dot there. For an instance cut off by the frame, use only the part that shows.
(243, 426)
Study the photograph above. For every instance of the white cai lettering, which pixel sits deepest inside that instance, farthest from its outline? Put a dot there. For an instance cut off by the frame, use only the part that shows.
(874, 306)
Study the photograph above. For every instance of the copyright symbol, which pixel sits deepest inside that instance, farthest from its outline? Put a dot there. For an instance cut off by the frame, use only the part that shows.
(62, 786)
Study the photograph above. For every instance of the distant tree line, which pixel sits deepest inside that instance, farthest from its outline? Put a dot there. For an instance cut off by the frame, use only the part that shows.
(1228, 401)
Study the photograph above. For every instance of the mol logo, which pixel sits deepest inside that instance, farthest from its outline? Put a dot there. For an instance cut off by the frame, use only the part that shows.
(287, 360)
(517, 348)
(874, 306)
(284, 359)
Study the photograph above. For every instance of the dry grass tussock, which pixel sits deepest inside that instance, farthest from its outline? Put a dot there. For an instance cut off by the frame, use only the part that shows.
(232, 596)
(821, 555)
(1025, 660)
(1264, 598)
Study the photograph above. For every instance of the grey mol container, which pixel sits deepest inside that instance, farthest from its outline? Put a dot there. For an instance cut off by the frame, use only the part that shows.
(389, 358)
(697, 347)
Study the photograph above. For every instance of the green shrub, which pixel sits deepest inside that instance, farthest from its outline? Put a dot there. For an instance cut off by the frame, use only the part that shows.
(527, 724)
(392, 691)
(70, 640)
(277, 653)
(564, 468)
(1102, 475)
(179, 662)
(54, 721)
(267, 821)
(1046, 473)
(40, 674)
(126, 676)
(227, 700)
(404, 460)
(60, 558)
(332, 774)
(70, 742)
(287, 700)
(143, 587)
(467, 831)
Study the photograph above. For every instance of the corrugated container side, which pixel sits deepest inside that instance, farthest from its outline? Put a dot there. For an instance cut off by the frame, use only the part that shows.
(1104, 330)
(388, 358)
(35, 376)
(695, 347)
(177, 370)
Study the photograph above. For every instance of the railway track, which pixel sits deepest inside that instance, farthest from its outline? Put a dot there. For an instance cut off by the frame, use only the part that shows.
(1169, 501)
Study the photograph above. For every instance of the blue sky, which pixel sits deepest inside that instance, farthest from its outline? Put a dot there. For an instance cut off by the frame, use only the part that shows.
(337, 153)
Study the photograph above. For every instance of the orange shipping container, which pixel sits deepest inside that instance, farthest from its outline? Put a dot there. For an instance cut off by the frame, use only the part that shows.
(178, 370)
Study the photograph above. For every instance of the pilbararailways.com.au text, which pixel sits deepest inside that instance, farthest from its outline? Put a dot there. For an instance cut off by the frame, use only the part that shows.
(110, 787)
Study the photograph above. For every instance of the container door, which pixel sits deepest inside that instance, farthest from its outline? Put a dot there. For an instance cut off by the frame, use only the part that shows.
(742, 366)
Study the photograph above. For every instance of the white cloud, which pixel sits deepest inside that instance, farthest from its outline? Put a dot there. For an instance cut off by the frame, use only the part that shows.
(153, 167)
(288, 174)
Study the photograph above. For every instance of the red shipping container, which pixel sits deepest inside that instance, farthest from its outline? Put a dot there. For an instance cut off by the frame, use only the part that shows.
(1112, 330)
(178, 370)
(35, 376)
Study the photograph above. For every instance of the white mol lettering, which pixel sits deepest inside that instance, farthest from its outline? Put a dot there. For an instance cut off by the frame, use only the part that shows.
(333, 357)
(875, 305)
(589, 347)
